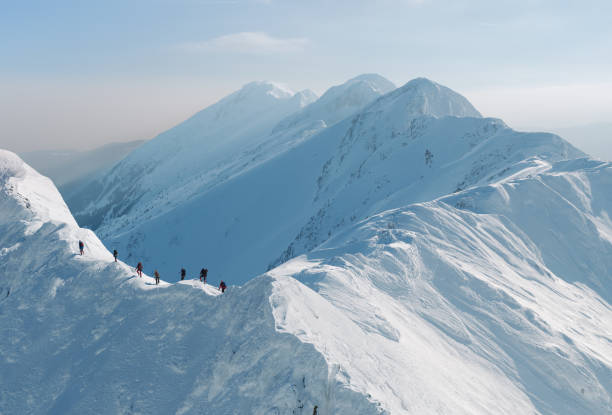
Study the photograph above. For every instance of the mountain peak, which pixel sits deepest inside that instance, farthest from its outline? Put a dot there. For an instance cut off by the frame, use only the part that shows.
(28, 197)
(377, 82)
(422, 96)
(341, 101)
(365, 84)
(305, 97)
(272, 89)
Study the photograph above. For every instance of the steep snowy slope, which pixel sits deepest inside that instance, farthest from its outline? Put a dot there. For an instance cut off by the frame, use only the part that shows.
(388, 155)
(203, 165)
(492, 300)
(169, 168)
(84, 335)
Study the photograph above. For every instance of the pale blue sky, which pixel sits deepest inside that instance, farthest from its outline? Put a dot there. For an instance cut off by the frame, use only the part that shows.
(81, 73)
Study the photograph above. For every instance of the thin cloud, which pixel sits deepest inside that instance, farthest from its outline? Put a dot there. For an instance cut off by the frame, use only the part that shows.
(249, 43)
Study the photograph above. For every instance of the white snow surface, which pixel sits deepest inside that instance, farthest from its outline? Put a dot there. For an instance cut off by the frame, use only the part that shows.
(434, 262)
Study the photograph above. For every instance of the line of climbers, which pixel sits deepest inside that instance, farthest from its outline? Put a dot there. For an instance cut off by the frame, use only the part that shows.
(203, 276)
(203, 271)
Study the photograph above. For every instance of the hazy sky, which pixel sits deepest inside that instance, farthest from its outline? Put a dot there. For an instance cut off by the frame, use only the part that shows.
(77, 74)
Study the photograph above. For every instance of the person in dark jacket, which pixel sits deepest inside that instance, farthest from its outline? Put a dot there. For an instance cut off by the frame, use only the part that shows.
(156, 277)
(222, 287)
(115, 254)
(139, 269)
(203, 275)
(81, 247)
(183, 273)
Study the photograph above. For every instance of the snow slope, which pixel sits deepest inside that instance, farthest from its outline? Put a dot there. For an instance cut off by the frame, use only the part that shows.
(174, 165)
(414, 144)
(495, 299)
(84, 335)
(238, 133)
(339, 102)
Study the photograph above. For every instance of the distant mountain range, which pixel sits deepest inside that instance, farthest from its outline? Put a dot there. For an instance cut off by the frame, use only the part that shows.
(65, 167)
(238, 192)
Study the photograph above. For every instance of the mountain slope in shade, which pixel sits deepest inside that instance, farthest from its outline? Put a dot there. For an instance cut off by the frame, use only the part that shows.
(238, 133)
(172, 165)
(479, 301)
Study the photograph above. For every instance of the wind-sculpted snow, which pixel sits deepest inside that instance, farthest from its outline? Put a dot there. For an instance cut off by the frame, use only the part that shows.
(494, 300)
(380, 165)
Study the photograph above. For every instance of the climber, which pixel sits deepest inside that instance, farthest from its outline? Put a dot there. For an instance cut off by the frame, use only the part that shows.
(222, 287)
(139, 269)
(156, 277)
(183, 273)
(81, 247)
(203, 274)
(115, 254)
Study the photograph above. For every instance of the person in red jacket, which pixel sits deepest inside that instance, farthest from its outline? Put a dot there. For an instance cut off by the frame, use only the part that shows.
(222, 287)
(139, 269)
(81, 247)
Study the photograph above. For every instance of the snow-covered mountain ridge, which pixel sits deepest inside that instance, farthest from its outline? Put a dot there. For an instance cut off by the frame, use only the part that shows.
(467, 304)
(96, 339)
(413, 144)
(170, 167)
(222, 141)
(422, 259)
